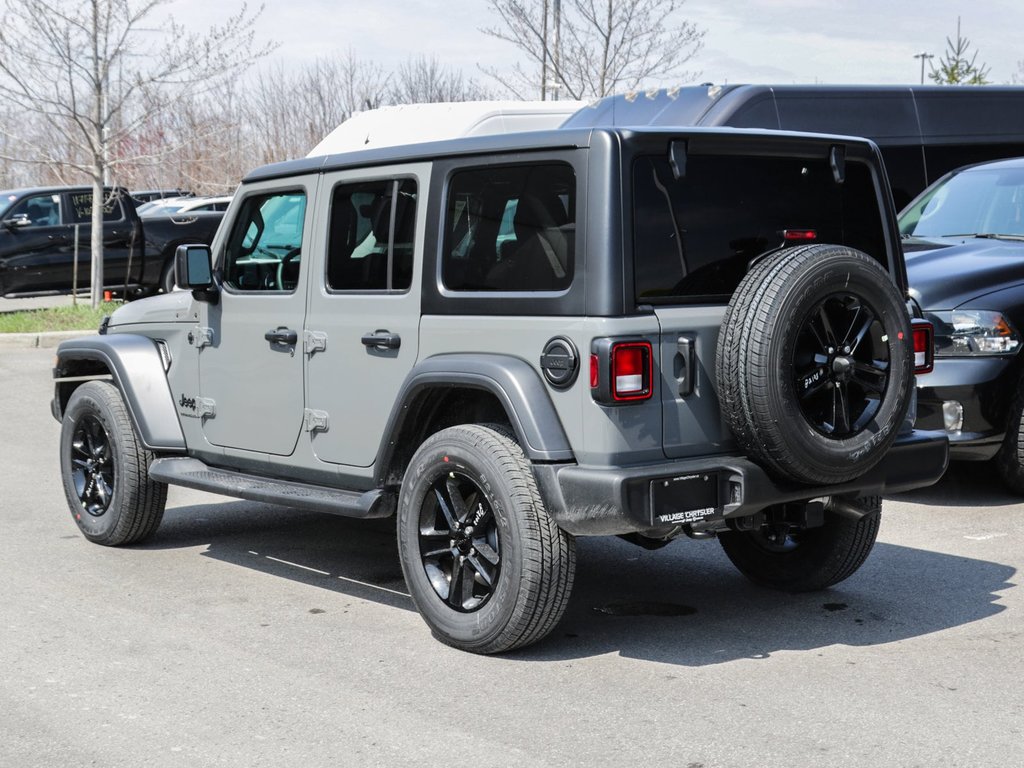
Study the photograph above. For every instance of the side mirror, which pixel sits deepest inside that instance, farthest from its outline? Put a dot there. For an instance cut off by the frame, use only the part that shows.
(21, 220)
(193, 270)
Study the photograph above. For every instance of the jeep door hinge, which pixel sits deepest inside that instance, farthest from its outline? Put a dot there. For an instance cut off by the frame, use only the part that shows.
(315, 421)
(203, 337)
(314, 341)
(205, 407)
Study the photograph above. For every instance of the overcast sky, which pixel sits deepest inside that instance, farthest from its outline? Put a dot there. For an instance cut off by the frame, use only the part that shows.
(763, 41)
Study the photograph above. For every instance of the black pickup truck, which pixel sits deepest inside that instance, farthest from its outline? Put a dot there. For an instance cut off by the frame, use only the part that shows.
(39, 228)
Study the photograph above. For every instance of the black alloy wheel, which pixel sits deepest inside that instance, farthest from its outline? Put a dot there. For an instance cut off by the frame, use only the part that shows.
(793, 559)
(841, 365)
(814, 363)
(459, 543)
(487, 568)
(105, 469)
(92, 466)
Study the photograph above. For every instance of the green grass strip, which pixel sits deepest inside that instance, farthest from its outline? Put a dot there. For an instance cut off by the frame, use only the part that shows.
(80, 318)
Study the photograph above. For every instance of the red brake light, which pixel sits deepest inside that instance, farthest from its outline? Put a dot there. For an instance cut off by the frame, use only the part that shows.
(799, 235)
(632, 377)
(924, 346)
(594, 378)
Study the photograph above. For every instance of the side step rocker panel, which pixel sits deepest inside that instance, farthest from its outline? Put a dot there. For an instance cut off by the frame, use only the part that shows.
(192, 473)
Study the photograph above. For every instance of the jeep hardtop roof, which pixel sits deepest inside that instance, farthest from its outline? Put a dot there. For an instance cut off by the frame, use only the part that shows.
(738, 139)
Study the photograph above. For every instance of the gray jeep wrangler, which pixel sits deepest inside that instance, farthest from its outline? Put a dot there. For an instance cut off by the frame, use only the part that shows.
(510, 341)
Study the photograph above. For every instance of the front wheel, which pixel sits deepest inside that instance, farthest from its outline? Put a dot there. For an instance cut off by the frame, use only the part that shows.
(805, 560)
(1010, 459)
(105, 469)
(486, 566)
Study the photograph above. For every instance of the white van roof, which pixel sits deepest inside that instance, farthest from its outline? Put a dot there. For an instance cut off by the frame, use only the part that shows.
(419, 123)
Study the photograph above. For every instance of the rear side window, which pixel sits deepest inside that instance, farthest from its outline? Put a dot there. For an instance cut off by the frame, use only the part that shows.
(695, 237)
(510, 228)
(372, 236)
(81, 207)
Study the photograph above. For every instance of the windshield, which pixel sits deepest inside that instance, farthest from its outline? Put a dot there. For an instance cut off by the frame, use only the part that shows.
(977, 201)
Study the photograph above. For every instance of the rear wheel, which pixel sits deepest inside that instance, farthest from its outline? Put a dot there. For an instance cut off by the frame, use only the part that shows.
(805, 560)
(106, 470)
(486, 566)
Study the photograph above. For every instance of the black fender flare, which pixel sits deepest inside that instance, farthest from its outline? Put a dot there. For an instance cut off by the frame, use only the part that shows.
(516, 385)
(138, 371)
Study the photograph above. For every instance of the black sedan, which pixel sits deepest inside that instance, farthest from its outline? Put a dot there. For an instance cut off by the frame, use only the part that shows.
(964, 242)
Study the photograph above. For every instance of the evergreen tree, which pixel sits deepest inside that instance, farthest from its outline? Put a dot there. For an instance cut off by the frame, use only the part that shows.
(958, 66)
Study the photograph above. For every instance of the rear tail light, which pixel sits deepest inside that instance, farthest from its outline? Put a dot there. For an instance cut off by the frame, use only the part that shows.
(924, 346)
(631, 371)
(621, 371)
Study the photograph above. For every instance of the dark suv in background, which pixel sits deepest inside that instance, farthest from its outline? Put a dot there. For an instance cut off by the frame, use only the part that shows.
(964, 244)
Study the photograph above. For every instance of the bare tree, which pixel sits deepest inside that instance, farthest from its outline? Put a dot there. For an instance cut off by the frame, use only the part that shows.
(592, 48)
(957, 66)
(426, 80)
(290, 111)
(99, 71)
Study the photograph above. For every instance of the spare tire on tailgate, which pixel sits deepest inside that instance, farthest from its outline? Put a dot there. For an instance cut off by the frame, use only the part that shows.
(814, 363)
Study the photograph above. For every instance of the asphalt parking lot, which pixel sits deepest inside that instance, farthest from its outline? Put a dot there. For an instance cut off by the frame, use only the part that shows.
(250, 635)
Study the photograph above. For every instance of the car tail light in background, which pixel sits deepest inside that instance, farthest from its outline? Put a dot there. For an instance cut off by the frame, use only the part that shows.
(924, 346)
(621, 370)
(793, 236)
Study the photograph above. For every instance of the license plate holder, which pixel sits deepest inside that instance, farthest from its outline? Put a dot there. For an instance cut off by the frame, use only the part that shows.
(690, 498)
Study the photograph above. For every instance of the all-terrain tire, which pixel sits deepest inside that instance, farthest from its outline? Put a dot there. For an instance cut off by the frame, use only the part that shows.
(105, 469)
(469, 492)
(810, 559)
(814, 363)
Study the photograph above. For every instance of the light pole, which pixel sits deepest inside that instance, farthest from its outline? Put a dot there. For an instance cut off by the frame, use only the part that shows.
(923, 57)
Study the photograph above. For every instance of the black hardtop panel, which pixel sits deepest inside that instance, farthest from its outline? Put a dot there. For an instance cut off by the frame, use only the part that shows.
(525, 141)
(739, 138)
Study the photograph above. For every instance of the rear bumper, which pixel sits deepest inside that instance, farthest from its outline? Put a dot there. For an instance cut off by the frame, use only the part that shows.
(589, 501)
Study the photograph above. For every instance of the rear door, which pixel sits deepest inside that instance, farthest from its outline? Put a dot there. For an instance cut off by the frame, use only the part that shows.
(118, 239)
(362, 329)
(695, 238)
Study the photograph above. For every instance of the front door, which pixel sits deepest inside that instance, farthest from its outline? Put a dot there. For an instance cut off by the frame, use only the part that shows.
(251, 376)
(34, 245)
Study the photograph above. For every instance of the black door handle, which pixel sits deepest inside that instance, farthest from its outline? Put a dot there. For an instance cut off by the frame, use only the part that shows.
(283, 336)
(381, 339)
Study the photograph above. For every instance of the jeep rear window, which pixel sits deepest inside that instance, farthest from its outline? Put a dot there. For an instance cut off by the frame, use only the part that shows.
(695, 237)
(510, 228)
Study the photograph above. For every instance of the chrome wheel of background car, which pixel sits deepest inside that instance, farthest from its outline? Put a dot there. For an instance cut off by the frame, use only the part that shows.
(92, 466)
(459, 544)
(841, 365)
